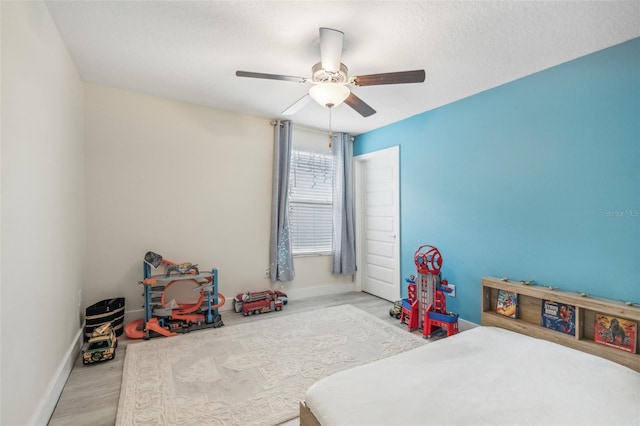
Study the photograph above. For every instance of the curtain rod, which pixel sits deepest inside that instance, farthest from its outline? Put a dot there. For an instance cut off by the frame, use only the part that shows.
(310, 129)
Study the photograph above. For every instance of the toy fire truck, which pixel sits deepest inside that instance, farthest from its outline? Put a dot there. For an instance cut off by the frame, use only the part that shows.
(259, 302)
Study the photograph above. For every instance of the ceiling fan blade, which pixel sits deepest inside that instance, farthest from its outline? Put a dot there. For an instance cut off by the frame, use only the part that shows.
(331, 49)
(416, 76)
(270, 76)
(297, 105)
(359, 105)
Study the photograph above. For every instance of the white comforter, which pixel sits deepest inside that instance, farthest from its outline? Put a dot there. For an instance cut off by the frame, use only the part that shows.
(483, 376)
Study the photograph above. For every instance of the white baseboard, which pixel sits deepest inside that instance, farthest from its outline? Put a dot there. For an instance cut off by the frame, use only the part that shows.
(466, 325)
(50, 398)
(133, 315)
(323, 290)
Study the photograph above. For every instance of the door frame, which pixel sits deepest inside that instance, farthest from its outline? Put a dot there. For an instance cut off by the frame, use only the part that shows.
(359, 161)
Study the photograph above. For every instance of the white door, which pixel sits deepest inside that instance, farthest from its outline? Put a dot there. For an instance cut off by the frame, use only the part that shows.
(378, 223)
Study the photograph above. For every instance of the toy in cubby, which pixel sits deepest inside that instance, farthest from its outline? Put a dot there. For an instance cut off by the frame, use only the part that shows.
(409, 313)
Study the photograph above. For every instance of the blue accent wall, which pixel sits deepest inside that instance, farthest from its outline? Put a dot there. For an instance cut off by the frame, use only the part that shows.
(537, 179)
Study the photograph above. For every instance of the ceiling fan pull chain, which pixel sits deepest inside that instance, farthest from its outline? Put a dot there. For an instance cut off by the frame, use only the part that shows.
(330, 132)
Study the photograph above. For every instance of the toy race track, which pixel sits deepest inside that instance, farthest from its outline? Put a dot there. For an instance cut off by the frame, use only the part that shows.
(164, 319)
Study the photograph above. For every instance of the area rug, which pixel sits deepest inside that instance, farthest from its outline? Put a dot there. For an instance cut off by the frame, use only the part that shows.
(254, 373)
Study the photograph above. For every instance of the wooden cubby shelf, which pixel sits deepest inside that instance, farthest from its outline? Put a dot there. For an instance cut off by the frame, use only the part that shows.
(530, 298)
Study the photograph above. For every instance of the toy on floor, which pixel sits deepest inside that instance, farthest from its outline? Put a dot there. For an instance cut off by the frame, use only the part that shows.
(428, 261)
(167, 318)
(425, 306)
(396, 309)
(258, 302)
(101, 345)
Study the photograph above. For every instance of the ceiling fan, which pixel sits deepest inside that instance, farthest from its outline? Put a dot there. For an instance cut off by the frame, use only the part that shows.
(330, 78)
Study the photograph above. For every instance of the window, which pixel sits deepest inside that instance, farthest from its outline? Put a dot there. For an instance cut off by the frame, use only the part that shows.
(310, 202)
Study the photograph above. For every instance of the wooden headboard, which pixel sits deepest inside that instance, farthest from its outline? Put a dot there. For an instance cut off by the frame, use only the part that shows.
(528, 320)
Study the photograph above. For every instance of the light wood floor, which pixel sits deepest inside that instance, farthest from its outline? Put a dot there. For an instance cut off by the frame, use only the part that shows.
(90, 396)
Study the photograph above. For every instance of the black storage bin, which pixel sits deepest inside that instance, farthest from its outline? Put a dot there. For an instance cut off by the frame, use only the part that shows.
(108, 310)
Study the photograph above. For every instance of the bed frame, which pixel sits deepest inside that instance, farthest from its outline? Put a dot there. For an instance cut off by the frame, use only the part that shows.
(306, 416)
(530, 299)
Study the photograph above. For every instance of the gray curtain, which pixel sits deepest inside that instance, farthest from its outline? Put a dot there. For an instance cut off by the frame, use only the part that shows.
(344, 240)
(281, 261)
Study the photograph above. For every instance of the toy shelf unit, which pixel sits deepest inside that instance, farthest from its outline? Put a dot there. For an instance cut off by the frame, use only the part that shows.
(162, 319)
(530, 300)
(426, 306)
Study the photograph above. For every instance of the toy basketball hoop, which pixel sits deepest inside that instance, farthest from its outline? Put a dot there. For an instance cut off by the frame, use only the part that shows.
(428, 260)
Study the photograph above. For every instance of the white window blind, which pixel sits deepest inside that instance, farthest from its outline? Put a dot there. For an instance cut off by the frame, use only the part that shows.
(310, 202)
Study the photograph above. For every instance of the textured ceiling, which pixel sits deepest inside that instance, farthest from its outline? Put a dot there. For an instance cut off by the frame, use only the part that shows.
(190, 50)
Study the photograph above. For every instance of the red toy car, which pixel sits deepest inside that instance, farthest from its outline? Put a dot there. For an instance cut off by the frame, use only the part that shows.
(259, 302)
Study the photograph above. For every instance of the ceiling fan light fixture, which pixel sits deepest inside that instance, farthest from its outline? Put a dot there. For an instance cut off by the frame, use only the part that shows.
(329, 95)
(330, 78)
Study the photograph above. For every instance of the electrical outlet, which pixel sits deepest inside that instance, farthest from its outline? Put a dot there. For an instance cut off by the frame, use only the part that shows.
(267, 273)
(453, 290)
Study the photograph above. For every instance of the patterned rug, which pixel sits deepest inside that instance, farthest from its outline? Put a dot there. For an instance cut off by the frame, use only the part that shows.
(249, 374)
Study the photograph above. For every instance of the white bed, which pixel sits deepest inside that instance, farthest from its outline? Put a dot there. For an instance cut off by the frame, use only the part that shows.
(485, 375)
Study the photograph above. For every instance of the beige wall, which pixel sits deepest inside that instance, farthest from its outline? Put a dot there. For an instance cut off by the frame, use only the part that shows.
(43, 220)
(92, 178)
(188, 182)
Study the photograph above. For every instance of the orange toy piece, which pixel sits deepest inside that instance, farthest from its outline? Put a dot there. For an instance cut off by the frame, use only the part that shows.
(183, 308)
(135, 329)
(154, 325)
